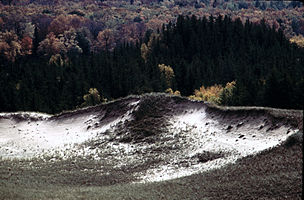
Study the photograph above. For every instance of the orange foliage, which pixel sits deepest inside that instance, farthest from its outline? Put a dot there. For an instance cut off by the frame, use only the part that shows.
(105, 39)
(10, 45)
(132, 32)
(213, 93)
(51, 45)
(27, 44)
(65, 22)
(119, 16)
(59, 48)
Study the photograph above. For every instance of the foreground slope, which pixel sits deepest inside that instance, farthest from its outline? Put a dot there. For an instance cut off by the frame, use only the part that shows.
(151, 138)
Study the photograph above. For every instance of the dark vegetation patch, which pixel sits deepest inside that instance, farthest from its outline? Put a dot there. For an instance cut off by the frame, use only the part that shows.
(81, 171)
(77, 12)
(208, 156)
(150, 119)
(20, 117)
(145, 158)
(294, 139)
(106, 111)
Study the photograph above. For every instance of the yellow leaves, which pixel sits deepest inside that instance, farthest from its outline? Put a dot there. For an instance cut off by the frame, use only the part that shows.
(167, 72)
(105, 39)
(15, 49)
(56, 60)
(18, 86)
(94, 92)
(170, 91)
(230, 85)
(153, 37)
(177, 93)
(8, 36)
(226, 96)
(144, 51)
(92, 98)
(10, 46)
(213, 93)
(299, 40)
(263, 81)
(193, 97)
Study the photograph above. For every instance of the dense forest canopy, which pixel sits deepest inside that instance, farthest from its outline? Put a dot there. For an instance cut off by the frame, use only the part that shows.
(128, 20)
(54, 70)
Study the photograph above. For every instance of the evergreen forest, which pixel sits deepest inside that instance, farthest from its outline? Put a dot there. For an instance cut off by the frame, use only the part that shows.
(268, 70)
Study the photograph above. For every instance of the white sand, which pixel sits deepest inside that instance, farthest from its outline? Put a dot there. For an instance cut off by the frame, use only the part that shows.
(189, 134)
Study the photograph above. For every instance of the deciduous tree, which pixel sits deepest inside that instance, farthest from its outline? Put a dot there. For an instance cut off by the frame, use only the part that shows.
(168, 73)
(92, 98)
(51, 45)
(10, 46)
(105, 39)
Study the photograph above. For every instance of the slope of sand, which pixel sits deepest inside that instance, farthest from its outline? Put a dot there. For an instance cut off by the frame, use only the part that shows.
(168, 137)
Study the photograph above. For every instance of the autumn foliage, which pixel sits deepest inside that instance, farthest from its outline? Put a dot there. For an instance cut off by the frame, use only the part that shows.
(63, 23)
(51, 45)
(27, 44)
(299, 40)
(56, 49)
(171, 92)
(105, 40)
(101, 25)
(92, 98)
(167, 73)
(11, 46)
(215, 94)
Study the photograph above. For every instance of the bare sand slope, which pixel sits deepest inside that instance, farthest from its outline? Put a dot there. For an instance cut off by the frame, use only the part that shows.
(155, 136)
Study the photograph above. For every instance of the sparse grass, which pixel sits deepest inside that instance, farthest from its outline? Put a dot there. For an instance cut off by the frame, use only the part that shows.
(76, 171)
(272, 174)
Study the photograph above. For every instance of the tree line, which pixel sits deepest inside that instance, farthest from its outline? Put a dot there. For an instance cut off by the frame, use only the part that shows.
(266, 68)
